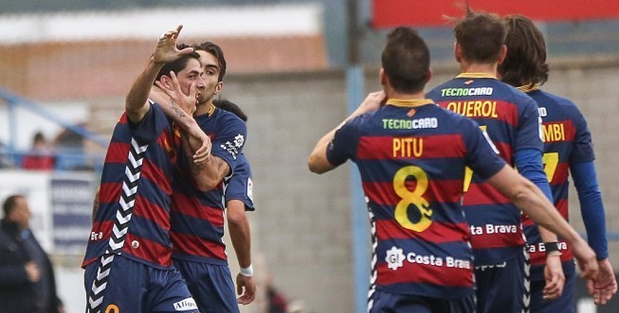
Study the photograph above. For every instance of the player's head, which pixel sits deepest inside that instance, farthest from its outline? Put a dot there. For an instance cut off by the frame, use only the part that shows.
(230, 107)
(525, 62)
(187, 69)
(480, 38)
(15, 209)
(405, 61)
(214, 65)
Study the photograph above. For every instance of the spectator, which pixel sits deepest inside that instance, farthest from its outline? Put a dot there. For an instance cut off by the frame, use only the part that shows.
(276, 302)
(27, 283)
(40, 157)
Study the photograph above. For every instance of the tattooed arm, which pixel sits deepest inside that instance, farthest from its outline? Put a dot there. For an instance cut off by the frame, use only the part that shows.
(208, 174)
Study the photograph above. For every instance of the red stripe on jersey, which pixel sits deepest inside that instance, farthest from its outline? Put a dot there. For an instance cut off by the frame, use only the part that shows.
(560, 175)
(426, 274)
(148, 250)
(198, 247)
(436, 233)
(562, 206)
(152, 212)
(102, 230)
(153, 173)
(497, 240)
(483, 193)
(559, 131)
(117, 152)
(123, 118)
(191, 207)
(109, 192)
(479, 109)
(448, 191)
(427, 147)
(505, 151)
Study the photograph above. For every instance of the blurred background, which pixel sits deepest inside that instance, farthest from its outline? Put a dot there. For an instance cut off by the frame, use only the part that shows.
(296, 68)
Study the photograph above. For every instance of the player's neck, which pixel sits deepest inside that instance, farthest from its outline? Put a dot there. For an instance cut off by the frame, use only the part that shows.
(204, 108)
(466, 67)
(405, 96)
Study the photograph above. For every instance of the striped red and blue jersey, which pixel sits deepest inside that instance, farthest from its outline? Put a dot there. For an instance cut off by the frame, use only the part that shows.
(412, 171)
(567, 140)
(240, 186)
(511, 120)
(198, 217)
(133, 218)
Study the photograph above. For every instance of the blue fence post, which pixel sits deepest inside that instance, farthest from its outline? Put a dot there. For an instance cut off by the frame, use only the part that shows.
(359, 216)
(12, 116)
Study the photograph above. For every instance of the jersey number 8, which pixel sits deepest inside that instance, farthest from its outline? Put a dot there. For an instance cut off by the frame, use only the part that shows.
(412, 199)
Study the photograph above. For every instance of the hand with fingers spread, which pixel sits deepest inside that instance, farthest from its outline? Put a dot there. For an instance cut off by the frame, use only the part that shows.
(166, 50)
(604, 286)
(186, 102)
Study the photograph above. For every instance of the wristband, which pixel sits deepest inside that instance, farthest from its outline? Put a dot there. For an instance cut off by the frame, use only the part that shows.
(247, 271)
(552, 247)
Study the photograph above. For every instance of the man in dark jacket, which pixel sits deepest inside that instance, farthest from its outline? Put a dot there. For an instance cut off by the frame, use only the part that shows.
(27, 281)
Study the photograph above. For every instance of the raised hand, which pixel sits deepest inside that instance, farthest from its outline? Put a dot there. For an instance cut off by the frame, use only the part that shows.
(166, 50)
(186, 102)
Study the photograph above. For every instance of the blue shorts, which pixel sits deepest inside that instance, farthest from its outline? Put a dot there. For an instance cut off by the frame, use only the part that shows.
(211, 285)
(501, 288)
(564, 304)
(383, 302)
(115, 284)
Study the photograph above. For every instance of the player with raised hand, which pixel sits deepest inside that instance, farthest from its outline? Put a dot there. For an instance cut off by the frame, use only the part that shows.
(128, 258)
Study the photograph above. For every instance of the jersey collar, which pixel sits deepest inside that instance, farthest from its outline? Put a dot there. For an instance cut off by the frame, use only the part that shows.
(476, 75)
(528, 88)
(409, 103)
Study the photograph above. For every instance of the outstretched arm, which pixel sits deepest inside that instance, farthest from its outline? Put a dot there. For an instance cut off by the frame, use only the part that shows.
(317, 161)
(136, 104)
(529, 164)
(526, 196)
(604, 286)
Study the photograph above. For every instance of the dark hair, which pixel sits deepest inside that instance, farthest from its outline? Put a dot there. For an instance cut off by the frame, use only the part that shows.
(525, 62)
(406, 60)
(230, 107)
(9, 204)
(480, 36)
(178, 64)
(216, 51)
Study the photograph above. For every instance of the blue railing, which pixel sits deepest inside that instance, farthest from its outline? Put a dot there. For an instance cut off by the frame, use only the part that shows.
(63, 159)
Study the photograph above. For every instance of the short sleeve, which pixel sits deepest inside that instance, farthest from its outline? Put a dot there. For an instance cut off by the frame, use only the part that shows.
(240, 186)
(344, 143)
(230, 139)
(529, 129)
(150, 127)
